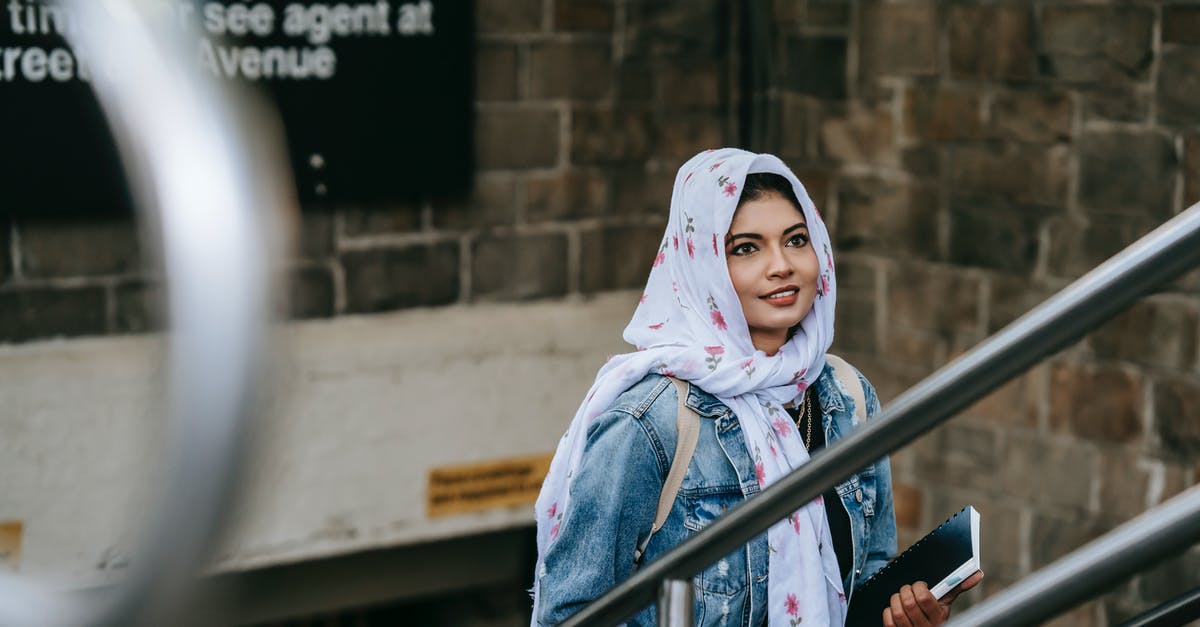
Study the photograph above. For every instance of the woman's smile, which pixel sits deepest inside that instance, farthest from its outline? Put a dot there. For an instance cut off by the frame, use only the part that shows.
(783, 297)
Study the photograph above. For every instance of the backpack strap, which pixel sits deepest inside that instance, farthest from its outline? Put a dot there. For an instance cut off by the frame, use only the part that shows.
(687, 422)
(848, 377)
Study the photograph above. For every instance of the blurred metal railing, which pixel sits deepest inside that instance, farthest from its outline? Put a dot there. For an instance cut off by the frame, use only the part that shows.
(1149, 263)
(1178, 611)
(207, 173)
(1094, 567)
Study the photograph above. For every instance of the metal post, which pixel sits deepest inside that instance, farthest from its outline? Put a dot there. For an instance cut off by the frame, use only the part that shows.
(1094, 568)
(675, 604)
(207, 173)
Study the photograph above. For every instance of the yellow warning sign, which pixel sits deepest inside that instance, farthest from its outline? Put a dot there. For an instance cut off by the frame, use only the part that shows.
(486, 485)
(10, 545)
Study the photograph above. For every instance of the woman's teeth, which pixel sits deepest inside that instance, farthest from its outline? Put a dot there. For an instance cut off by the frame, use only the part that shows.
(782, 294)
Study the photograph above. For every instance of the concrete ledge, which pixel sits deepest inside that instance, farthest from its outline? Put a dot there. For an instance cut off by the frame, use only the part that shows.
(360, 409)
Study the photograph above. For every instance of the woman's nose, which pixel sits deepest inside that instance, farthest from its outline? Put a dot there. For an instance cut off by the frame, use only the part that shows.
(780, 265)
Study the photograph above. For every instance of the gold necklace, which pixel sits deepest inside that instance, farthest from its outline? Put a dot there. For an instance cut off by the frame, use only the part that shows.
(808, 413)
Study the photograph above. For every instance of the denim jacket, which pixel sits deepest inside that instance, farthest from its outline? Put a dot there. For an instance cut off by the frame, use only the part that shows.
(614, 496)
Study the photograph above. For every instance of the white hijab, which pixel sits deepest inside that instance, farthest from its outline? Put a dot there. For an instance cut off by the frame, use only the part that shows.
(690, 325)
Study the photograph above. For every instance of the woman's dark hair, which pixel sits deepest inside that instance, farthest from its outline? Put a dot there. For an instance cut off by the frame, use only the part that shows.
(761, 184)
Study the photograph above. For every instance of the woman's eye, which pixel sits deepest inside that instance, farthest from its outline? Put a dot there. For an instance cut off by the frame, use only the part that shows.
(798, 240)
(743, 249)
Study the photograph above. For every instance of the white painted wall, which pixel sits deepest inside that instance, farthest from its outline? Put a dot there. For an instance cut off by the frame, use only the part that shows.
(359, 410)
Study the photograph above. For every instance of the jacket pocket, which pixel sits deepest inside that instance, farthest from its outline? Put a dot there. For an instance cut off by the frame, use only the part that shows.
(869, 488)
(860, 488)
(728, 575)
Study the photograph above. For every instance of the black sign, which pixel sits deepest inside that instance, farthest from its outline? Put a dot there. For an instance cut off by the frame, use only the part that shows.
(376, 98)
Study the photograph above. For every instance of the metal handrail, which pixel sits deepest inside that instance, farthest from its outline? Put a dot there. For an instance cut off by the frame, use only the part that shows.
(1095, 567)
(1152, 261)
(208, 176)
(1178, 611)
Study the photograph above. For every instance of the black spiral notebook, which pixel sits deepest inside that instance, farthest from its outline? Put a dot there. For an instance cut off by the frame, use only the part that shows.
(942, 559)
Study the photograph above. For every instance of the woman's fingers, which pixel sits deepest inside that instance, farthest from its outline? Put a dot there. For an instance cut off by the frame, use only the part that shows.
(899, 618)
(905, 611)
(916, 615)
(935, 612)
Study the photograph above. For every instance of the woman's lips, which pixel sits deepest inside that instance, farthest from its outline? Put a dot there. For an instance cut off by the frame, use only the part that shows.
(782, 298)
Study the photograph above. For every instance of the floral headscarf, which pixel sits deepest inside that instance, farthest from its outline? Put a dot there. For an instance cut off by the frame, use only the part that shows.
(689, 324)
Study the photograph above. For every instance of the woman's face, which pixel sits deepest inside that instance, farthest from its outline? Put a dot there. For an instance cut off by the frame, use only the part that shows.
(773, 267)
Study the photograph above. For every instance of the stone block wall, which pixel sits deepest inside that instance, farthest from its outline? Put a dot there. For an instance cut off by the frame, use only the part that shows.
(976, 157)
(584, 110)
(972, 158)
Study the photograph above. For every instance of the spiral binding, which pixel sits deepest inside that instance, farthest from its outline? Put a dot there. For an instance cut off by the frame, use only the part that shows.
(883, 570)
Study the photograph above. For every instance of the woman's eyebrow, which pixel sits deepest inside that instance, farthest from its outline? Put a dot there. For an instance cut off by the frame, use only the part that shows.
(798, 225)
(730, 238)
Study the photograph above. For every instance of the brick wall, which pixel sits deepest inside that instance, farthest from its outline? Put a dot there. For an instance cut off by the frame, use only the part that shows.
(971, 158)
(974, 158)
(584, 111)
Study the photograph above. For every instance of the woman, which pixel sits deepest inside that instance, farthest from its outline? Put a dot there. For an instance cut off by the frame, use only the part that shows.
(739, 303)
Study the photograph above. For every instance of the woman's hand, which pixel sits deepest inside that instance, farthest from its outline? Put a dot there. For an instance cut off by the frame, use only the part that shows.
(915, 606)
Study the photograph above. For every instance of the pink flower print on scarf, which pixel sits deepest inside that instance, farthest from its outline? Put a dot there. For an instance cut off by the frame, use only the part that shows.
(675, 241)
(662, 254)
(798, 379)
(748, 366)
(715, 252)
(795, 519)
(688, 229)
(781, 427)
(792, 606)
(656, 327)
(715, 166)
(717, 319)
(760, 472)
(823, 289)
(727, 186)
(714, 356)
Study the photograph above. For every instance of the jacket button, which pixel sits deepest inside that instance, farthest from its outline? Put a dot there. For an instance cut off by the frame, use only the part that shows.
(858, 495)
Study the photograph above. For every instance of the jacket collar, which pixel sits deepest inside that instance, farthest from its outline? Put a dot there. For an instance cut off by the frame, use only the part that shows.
(829, 392)
(704, 403)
